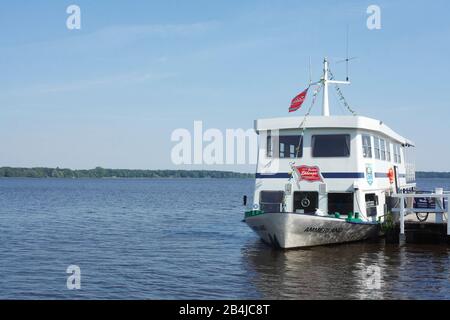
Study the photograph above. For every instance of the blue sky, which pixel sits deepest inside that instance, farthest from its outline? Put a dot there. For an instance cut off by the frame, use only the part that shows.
(111, 93)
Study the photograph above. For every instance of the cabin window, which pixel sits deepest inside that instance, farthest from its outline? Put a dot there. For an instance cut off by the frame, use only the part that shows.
(397, 157)
(306, 201)
(291, 146)
(376, 144)
(340, 202)
(269, 145)
(371, 204)
(383, 149)
(388, 151)
(271, 201)
(336, 145)
(367, 146)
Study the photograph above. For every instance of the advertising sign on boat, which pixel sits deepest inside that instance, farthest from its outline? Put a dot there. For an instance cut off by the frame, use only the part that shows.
(309, 173)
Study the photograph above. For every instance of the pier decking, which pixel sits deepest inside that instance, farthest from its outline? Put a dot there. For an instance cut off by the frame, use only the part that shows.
(417, 223)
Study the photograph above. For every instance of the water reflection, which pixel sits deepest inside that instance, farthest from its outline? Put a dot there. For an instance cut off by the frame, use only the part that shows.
(346, 271)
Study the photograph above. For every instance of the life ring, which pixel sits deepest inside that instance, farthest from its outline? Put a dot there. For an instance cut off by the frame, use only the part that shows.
(305, 202)
(391, 176)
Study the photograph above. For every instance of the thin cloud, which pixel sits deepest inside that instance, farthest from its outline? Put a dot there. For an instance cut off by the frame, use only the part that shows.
(88, 84)
(116, 36)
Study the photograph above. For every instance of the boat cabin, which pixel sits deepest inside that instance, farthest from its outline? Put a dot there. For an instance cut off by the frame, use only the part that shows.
(330, 165)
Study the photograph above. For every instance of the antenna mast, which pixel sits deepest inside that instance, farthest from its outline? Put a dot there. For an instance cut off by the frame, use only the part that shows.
(346, 57)
(310, 71)
(325, 81)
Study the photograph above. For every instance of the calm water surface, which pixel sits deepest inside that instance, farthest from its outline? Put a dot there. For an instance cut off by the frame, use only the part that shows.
(184, 239)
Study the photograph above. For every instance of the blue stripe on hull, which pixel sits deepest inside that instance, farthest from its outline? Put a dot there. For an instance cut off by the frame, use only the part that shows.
(343, 175)
(326, 175)
(381, 175)
(385, 175)
(280, 175)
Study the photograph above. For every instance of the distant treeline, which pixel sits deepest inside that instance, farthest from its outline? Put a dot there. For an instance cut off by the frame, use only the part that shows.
(8, 172)
(432, 174)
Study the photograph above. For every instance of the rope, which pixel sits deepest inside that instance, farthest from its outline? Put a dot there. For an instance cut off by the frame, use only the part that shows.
(341, 96)
(316, 92)
(301, 126)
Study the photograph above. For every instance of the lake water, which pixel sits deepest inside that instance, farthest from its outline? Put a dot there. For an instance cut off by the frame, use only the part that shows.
(184, 239)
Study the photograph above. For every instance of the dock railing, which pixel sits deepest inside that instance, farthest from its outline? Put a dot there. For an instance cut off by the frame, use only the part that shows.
(406, 206)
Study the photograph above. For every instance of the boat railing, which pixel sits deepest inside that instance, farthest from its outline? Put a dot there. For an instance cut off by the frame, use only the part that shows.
(410, 171)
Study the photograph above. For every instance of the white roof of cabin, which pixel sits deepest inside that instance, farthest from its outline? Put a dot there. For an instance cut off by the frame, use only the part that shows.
(330, 122)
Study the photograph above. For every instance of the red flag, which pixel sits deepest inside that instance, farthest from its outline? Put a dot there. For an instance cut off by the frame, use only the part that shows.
(297, 102)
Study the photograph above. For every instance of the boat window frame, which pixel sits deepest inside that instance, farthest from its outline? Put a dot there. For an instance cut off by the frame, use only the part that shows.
(376, 147)
(388, 150)
(351, 202)
(298, 149)
(348, 142)
(365, 147)
(313, 195)
(382, 149)
(371, 205)
(280, 204)
(397, 153)
(269, 147)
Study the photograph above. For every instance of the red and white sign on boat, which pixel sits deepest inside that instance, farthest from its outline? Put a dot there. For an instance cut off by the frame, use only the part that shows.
(309, 173)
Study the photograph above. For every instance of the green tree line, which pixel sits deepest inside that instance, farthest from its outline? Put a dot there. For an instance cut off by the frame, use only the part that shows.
(9, 172)
(99, 172)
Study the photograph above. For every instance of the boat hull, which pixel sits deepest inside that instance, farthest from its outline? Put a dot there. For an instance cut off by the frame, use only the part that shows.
(292, 230)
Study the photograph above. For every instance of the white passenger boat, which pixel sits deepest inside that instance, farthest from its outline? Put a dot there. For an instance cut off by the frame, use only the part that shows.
(326, 179)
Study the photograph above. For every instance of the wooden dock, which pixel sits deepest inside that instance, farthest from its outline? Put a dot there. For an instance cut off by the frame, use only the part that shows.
(426, 232)
(433, 227)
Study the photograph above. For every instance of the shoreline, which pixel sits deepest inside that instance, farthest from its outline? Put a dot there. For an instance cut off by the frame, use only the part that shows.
(104, 173)
(126, 178)
(101, 173)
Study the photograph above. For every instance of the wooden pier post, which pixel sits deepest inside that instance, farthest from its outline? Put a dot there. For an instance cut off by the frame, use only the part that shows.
(402, 219)
(448, 215)
(439, 216)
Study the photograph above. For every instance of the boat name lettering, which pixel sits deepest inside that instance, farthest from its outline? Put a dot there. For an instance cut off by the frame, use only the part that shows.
(323, 230)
